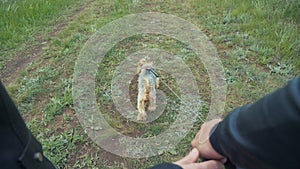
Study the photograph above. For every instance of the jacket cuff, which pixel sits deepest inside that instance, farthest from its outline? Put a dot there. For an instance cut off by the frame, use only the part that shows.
(214, 141)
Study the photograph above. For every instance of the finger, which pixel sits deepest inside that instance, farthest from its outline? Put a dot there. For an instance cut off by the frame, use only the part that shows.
(190, 158)
(205, 130)
(212, 164)
(196, 141)
(193, 166)
(203, 134)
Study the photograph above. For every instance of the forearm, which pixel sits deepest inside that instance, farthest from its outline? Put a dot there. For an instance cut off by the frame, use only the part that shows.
(264, 134)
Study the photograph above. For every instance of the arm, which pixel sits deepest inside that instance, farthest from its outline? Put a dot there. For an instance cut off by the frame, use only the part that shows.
(265, 134)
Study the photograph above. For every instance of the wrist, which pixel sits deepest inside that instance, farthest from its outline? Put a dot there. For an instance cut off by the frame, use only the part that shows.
(213, 141)
(213, 152)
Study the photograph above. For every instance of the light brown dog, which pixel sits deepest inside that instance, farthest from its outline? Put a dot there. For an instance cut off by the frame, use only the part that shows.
(148, 82)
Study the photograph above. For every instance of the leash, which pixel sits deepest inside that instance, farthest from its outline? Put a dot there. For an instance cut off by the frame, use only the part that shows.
(228, 164)
(152, 70)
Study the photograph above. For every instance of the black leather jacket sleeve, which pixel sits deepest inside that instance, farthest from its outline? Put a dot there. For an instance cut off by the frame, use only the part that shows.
(263, 135)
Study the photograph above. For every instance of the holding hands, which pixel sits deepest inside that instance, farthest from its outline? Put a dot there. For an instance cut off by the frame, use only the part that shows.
(190, 162)
(202, 143)
(203, 149)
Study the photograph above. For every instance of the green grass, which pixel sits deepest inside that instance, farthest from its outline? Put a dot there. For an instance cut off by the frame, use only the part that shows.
(20, 20)
(258, 43)
(273, 24)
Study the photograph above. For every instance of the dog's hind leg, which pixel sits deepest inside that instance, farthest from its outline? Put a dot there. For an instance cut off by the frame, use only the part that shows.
(142, 116)
(152, 100)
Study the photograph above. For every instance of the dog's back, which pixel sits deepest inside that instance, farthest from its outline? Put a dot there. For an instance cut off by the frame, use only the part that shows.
(147, 79)
(147, 84)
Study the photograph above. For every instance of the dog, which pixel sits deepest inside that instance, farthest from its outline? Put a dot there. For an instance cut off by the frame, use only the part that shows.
(148, 82)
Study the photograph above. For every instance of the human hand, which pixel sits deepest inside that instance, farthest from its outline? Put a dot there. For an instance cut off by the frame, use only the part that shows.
(202, 143)
(190, 162)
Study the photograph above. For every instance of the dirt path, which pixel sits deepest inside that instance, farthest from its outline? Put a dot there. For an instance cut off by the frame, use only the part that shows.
(23, 59)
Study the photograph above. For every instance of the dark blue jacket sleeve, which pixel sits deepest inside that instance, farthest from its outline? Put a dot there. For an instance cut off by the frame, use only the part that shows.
(18, 147)
(263, 135)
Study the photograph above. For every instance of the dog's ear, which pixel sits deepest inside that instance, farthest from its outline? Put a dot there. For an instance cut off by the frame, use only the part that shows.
(139, 70)
(152, 64)
(141, 63)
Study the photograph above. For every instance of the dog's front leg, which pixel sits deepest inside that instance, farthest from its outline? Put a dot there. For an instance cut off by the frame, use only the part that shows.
(157, 83)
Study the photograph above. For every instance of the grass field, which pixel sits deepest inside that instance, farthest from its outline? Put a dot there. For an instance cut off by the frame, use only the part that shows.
(258, 43)
(19, 20)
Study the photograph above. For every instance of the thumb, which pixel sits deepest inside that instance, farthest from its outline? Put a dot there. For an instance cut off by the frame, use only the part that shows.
(190, 158)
